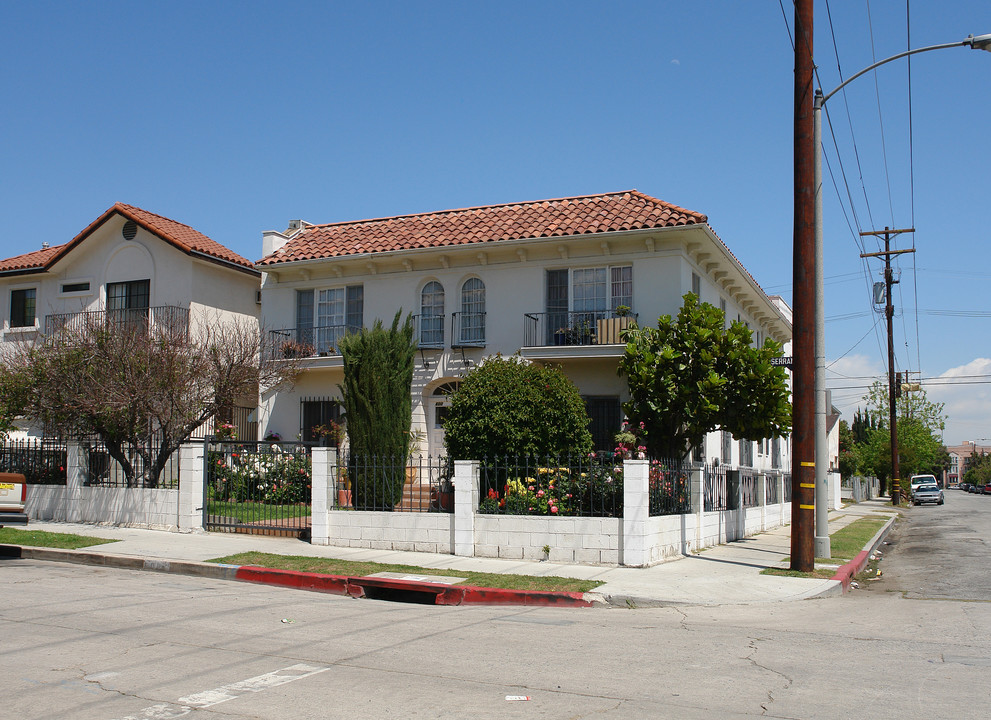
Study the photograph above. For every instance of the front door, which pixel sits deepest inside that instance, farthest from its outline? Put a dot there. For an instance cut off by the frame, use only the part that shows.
(438, 406)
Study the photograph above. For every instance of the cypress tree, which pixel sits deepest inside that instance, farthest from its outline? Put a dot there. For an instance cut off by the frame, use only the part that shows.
(378, 378)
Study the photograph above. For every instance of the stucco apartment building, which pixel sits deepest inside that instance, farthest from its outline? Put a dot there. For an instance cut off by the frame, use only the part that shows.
(553, 280)
(127, 265)
(960, 456)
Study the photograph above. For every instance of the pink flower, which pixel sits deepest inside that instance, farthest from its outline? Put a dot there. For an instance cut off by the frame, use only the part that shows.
(540, 493)
(553, 508)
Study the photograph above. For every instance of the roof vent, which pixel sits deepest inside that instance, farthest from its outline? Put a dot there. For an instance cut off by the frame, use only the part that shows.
(130, 230)
(295, 224)
(45, 246)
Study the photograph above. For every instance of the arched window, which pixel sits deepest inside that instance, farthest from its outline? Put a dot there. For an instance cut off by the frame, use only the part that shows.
(472, 317)
(432, 315)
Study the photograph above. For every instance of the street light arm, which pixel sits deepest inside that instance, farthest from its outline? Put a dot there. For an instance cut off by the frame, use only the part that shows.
(981, 42)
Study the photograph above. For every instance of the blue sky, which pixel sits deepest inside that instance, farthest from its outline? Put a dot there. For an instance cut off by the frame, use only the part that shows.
(236, 117)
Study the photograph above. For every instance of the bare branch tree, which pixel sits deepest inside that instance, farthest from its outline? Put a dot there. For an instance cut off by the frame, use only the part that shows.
(144, 387)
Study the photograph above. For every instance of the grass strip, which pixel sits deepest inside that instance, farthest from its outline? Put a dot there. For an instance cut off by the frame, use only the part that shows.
(250, 512)
(40, 538)
(331, 566)
(844, 545)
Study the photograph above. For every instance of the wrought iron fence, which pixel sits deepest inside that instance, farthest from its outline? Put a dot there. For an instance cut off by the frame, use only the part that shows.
(748, 488)
(771, 489)
(417, 484)
(670, 488)
(40, 461)
(714, 489)
(166, 320)
(586, 486)
(786, 484)
(257, 487)
(133, 465)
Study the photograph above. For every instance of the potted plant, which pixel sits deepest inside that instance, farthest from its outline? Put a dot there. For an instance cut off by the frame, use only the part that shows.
(329, 434)
(294, 349)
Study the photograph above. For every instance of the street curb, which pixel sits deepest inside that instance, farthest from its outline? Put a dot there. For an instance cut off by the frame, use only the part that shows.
(355, 586)
(846, 573)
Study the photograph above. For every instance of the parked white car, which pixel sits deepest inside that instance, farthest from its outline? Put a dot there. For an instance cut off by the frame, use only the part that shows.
(923, 480)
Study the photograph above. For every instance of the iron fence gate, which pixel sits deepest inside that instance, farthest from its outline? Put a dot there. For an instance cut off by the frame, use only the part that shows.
(257, 487)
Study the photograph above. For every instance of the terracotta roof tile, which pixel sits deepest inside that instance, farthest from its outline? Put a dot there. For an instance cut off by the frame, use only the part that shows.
(36, 260)
(181, 236)
(545, 218)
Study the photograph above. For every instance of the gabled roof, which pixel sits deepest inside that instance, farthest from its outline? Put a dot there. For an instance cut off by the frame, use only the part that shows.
(585, 215)
(183, 237)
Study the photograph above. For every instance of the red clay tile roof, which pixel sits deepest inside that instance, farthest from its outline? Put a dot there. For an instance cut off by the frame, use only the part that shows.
(36, 260)
(175, 233)
(631, 210)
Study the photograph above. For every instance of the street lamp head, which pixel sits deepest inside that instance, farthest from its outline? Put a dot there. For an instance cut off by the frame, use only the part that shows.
(981, 42)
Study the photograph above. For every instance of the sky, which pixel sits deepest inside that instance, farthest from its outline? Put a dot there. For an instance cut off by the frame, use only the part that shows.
(235, 118)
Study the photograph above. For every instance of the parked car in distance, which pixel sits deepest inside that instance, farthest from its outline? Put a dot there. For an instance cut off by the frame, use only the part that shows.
(963, 486)
(923, 480)
(986, 490)
(974, 488)
(927, 493)
(13, 496)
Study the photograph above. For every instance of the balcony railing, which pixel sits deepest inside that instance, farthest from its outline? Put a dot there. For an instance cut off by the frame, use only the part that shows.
(322, 340)
(166, 319)
(467, 329)
(593, 327)
(429, 331)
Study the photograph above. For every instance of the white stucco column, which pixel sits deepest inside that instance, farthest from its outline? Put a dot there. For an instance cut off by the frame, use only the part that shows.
(698, 504)
(324, 465)
(75, 473)
(636, 511)
(465, 506)
(191, 486)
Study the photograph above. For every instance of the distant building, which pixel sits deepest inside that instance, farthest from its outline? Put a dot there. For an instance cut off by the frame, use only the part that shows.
(960, 459)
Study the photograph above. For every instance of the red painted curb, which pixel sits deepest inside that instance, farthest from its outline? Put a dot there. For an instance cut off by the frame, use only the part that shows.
(443, 594)
(845, 574)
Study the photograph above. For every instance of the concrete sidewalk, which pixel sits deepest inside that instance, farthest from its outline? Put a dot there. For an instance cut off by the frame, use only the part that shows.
(724, 575)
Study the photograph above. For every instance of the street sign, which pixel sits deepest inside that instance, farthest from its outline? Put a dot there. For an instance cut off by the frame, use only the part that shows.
(784, 361)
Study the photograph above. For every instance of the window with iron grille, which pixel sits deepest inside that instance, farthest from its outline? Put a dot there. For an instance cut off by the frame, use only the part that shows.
(473, 312)
(604, 421)
(746, 453)
(316, 412)
(727, 447)
(432, 315)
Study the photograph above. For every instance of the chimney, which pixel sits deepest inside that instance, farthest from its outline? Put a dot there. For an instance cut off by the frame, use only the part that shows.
(45, 246)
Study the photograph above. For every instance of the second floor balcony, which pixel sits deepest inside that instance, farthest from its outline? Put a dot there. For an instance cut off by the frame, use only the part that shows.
(562, 328)
(309, 341)
(166, 320)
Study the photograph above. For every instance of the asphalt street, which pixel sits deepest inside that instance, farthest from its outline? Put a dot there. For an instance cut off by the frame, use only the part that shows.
(91, 642)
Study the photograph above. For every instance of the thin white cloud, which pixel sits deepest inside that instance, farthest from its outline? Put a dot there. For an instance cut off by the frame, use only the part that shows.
(676, 61)
(966, 395)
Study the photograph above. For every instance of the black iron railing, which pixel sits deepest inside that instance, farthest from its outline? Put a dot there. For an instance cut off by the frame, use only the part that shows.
(166, 319)
(545, 329)
(322, 340)
(41, 462)
(414, 484)
(428, 330)
(748, 488)
(715, 494)
(670, 488)
(467, 329)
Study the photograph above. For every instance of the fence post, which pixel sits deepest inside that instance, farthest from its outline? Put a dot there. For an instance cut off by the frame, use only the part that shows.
(465, 506)
(698, 503)
(192, 486)
(636, 511)
(75, 473)
(762, 499)
(323, 460)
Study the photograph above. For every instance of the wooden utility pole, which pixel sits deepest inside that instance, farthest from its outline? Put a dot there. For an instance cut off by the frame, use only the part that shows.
(804, 297)
(889, 311)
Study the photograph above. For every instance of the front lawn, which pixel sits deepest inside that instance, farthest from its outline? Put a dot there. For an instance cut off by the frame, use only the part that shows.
(252, 512)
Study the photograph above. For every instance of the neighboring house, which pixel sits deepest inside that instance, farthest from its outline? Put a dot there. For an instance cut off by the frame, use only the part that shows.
(127, 265)
(554, 280)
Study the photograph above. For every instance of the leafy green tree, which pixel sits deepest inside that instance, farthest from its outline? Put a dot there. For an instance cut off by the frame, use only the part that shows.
(507, 406)
(692, 375)
(378, 378)
(978, 469)
(920, 429)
